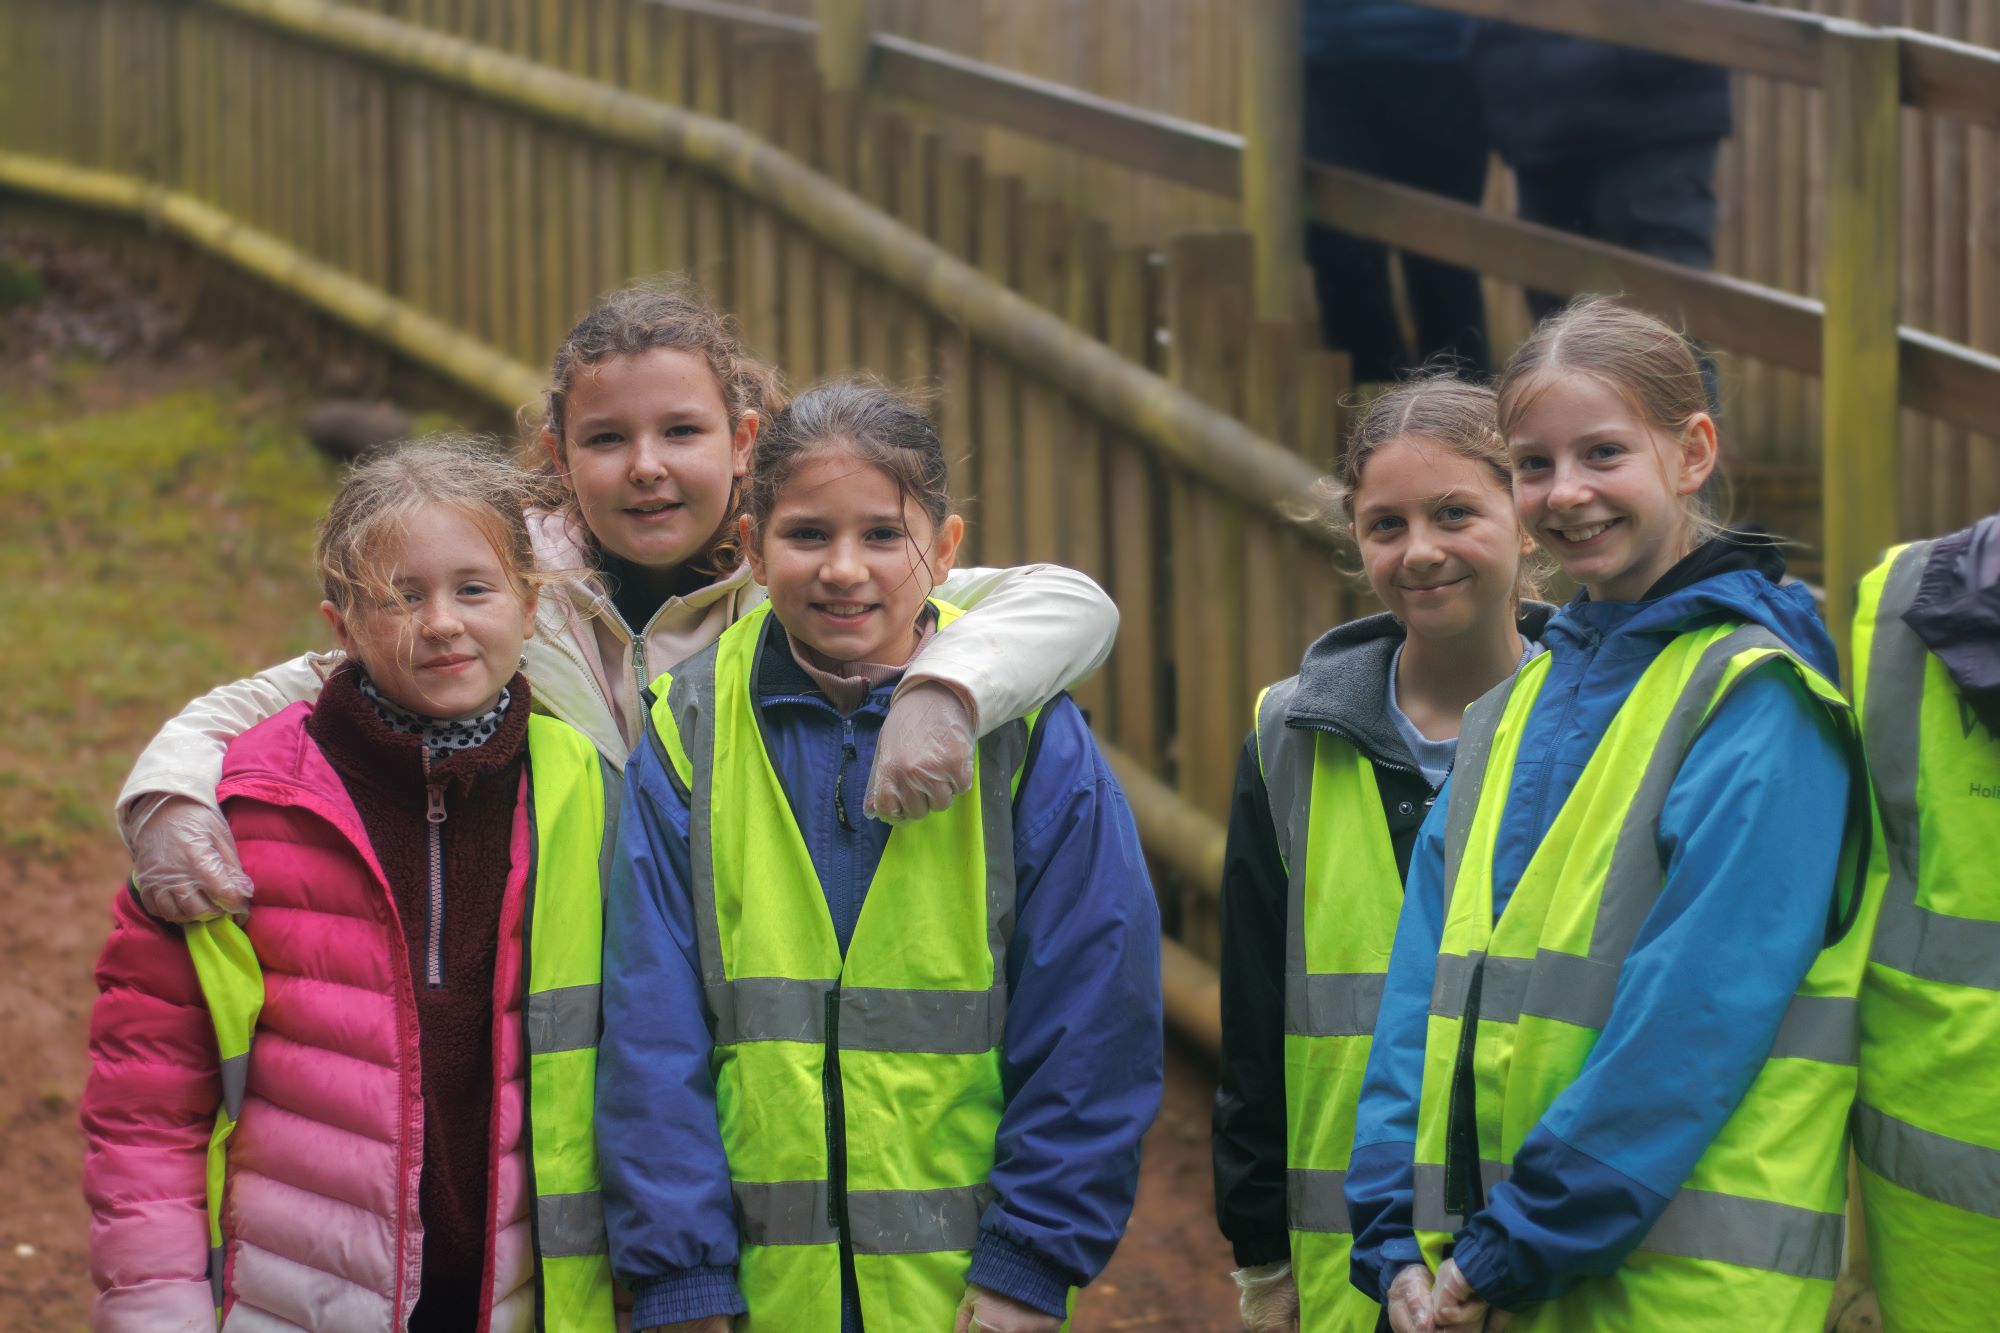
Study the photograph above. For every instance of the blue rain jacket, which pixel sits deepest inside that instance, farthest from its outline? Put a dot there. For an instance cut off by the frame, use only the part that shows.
(1749, 835)
(1337, 31)
(1082, 1064)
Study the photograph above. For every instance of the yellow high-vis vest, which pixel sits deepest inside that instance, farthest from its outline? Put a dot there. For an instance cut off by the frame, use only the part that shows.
(858, 1098)
(1753, 1239)
(1342, 897)
(574, 794)
(1927, 1131)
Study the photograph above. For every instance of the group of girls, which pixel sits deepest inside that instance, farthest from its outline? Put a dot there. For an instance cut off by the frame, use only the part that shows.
(686, 901)
(1551, 968)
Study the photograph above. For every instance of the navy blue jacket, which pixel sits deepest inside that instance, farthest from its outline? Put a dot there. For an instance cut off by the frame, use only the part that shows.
(1752, 865)
(1082, 1060)
(1336, 31)
(1548, 98)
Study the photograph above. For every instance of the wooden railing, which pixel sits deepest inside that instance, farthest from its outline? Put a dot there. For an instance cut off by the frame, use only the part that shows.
(1118, 410)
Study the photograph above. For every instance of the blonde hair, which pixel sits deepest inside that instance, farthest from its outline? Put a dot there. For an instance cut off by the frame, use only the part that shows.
(385, 493)
(1645, 361)
(644, 317)
(1438, 406)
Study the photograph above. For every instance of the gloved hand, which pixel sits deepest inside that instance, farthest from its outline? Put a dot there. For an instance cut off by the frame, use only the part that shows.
(185, 865)
(983, 1311)
(1270, 1298)
(923, 759)
(1409, 1304)
(1459, 1308)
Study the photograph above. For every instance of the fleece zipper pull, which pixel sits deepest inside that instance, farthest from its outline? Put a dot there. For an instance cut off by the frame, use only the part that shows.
(848, 754)
(434, 915)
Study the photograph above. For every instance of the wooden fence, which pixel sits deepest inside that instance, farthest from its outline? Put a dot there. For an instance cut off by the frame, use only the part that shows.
(1109, 406)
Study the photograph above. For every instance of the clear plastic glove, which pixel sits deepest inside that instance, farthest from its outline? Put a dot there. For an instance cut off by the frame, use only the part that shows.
(983, 1311)
(1459, 1308)
(185, 865)
(1409, 1304)
(1270, 1297)
(923, 760)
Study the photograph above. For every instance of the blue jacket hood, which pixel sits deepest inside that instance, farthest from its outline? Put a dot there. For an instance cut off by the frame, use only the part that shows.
(1745, 594)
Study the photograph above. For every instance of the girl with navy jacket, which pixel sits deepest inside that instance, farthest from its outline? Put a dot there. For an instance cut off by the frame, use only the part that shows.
(1080, 1059)
(1610, 442)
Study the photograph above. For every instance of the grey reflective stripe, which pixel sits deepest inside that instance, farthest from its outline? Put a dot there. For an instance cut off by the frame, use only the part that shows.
(1554, 985)
(1825, 1028)
(1468, 775)
(784, 1212)
(1955, 950)
(1316, 1201)
(1750, 1233)
(614, 799)
(1428, 1213)
(1637, 873)
(235, 1078)
(794, 1212)
(1950, 1171)
(1332, 1004)
(563, 1019)
(1452, 982)
(215, 1264)
(915, 1221)
(568, 1226)
(947, 1022)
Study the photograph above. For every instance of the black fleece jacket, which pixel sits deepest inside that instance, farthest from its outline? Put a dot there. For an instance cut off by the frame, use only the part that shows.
(1343, 688)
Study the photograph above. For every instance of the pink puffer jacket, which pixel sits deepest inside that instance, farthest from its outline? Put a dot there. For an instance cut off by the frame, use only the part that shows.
(320, 1218)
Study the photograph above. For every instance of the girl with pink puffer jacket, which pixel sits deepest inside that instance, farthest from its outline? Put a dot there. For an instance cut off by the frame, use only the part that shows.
(389, 1163)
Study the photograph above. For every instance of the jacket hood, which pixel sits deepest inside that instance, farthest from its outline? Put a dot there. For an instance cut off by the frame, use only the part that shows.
(1344, 681)
(1957, 614)
(1724, 579)
(562, 550)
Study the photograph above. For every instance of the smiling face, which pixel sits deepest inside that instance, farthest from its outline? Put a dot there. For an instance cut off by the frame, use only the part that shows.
(1600, 488)
(1438, 538)
(651, 453)
(450, 639)
(849, 559)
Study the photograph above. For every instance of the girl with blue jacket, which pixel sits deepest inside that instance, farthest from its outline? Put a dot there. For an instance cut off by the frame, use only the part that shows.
(1609, 1081)
(853, 1074)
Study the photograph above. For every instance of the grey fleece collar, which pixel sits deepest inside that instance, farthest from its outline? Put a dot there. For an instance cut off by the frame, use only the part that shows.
(1344, 682)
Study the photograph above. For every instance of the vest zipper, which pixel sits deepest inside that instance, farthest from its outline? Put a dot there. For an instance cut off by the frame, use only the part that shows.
(847, 756)
(434, 915)
(836, 1153)
(1464, 1192)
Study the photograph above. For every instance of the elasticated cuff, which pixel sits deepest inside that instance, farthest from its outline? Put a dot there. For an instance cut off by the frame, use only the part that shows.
(1480, 1266)
(1396, 1255)
(1019, 1274)
(696, 1293)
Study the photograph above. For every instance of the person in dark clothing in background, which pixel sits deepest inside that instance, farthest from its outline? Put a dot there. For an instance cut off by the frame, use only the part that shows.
(1610, 142)
(1388, 91)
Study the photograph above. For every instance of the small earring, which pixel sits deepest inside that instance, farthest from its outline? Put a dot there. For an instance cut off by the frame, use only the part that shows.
(524, 660)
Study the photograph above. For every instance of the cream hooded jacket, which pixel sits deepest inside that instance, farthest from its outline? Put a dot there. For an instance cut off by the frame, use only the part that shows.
(1028, 633)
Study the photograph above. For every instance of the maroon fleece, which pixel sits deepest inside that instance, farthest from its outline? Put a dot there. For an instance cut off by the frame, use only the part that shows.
(383, 771)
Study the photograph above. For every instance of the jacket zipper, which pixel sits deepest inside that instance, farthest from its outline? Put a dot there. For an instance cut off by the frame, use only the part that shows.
(434, 916)
(847, 756)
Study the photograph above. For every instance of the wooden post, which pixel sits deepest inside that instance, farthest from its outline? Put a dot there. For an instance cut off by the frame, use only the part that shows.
(1273, 110)
(1859, 375)
(843, 44)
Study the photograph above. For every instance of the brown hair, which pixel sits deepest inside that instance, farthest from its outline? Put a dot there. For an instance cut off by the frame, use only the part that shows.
(1440, 407)
(866, 420)
(641, 318)
(1648, 363)
(384, 494)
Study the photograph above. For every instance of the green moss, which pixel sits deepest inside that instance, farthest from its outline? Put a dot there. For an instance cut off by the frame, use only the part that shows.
(153, 550)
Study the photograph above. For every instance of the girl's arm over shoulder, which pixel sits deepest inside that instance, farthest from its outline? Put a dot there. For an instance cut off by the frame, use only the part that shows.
(1082, 1061)
(667, 1201)
(1749, 834)
(149, 1105)
(1381, 1174)
(1027, 634)
(185, 758)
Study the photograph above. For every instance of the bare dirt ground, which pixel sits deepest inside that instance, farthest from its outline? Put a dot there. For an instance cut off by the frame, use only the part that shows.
(155, 511)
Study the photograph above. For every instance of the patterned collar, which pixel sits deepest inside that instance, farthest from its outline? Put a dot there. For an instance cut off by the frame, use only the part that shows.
(437, 733)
